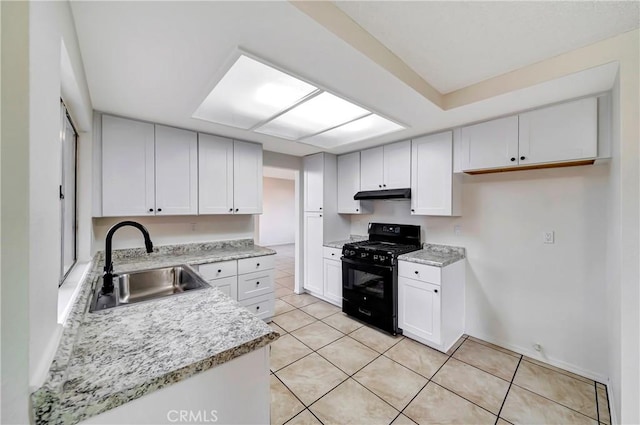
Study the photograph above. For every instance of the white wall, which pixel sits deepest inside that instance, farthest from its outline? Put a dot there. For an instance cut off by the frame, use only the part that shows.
(14, 216)
(277, 222)
(168, 230)
(38, 31)
(519, 290)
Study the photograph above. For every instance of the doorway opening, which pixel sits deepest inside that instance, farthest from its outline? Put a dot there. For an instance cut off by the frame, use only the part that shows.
(278, 225)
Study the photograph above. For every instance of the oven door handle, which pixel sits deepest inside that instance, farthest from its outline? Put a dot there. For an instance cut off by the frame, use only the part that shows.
(360, 263)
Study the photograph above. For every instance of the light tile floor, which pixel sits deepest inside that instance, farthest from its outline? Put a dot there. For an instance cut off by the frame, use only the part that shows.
(330, 369)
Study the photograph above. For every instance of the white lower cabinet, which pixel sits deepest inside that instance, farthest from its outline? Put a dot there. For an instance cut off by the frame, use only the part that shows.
(431, 303)
(255, 286)
(332, 274)
(248, 281)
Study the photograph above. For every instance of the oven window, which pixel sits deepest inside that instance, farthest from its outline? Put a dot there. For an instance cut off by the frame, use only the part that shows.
(367, 283)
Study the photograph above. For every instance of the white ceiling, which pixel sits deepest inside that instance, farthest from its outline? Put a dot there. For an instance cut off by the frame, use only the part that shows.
(157, 61)
(455, 44)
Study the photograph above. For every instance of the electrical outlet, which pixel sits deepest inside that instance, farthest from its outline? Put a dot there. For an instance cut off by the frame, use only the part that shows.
(548, 236)
(193, 227)
(457, 229)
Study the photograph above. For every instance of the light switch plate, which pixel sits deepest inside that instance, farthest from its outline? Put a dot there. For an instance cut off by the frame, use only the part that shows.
(548, 236)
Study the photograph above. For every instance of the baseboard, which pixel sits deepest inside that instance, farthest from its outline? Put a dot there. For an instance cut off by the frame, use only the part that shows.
(612, 413)
(553, 362)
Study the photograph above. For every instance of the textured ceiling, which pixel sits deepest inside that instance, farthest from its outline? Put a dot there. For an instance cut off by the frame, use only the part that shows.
(454, 44)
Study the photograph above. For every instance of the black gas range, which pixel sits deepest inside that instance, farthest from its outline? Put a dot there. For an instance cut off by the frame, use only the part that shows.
(370, 273)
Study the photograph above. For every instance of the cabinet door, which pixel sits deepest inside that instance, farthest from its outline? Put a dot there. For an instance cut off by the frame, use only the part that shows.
(215, 174)
(490, 144)
(176, 171)
(333, 281)
(372, 169)
(247, 178)
(559, 133)
(128, 167)
(431, 174)
(228, 285)
(397, 165)
(348, 183)
(313, 182)
(313, 225)
(419, 309)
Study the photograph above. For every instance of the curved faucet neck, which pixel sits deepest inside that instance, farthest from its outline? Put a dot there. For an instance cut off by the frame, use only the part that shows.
(107, 284)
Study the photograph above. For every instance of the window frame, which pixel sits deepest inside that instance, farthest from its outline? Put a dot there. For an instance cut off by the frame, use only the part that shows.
(64, 117)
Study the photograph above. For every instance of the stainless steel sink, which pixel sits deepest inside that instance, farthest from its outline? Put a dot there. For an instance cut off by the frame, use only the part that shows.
(145, 285)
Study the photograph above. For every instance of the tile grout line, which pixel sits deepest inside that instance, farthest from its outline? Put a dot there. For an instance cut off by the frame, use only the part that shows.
(595, 387)
(430, 380)
(509, 389)
(555, 402)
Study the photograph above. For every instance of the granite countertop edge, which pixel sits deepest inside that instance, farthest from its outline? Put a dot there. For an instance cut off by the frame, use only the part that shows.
(48, 401)
(435, 255)
(340, 243)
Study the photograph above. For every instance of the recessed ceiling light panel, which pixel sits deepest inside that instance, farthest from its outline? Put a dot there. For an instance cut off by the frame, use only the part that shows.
(257, 97)
(364, 128)
(251, 93)
(315, 115)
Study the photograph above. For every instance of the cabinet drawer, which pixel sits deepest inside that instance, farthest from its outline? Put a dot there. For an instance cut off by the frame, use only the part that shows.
(255, 284)
(421, 272)
(262, 306)
(249, 265)
(228, 285)
(218, 270)
(331, 253)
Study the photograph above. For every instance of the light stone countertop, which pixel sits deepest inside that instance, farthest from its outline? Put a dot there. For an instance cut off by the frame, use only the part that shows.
(108, 358)
(435, 255)
(339, 244)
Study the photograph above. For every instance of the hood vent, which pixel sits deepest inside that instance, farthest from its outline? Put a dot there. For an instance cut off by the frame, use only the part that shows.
(383, 194)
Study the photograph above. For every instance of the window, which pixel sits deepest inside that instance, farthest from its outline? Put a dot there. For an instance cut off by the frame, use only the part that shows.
(68, 180)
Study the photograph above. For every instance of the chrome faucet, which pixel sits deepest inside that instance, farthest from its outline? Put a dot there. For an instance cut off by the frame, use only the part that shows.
(107, 276)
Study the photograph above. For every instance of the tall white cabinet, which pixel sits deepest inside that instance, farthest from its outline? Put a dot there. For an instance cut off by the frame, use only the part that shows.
(322, 223)
(435, 189)
(148, 169)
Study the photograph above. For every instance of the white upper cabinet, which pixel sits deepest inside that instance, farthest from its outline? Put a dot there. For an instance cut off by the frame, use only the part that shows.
(372, 169)
(247, 178)
(230, 176)
(386, 167)
(128, 167)
(490, 144)
(176, 171)
(313, 182)
(564, 132)
(435, 190)
(215, 174)
(397, 165)
(349, 183)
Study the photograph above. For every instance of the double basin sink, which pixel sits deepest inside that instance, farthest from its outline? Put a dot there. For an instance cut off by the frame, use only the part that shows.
(146, 285)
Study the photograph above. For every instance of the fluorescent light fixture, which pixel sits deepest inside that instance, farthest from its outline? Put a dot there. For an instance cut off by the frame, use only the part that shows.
(250, 93)
(257, 97)
(315, 115)
(364, 128)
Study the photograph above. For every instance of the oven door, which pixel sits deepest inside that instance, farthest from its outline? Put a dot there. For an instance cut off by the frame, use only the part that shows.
(369, 293)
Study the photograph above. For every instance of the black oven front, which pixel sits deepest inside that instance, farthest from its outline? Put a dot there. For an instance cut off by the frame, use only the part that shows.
(370, 292)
